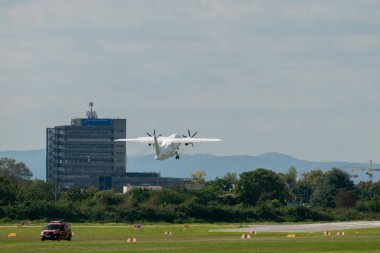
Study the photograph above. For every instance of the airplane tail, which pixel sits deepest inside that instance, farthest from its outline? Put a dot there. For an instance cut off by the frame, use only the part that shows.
(156, 146)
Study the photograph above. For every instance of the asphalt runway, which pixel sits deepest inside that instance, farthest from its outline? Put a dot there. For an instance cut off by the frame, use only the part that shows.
(313, 227)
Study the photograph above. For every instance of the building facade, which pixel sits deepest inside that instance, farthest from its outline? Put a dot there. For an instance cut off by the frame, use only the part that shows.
(153, 179)
(85, 155)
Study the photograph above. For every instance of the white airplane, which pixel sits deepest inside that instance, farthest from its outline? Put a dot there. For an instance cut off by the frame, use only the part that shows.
(168, 146)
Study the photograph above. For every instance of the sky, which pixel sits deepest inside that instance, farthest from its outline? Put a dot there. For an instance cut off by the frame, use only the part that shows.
(290, 76)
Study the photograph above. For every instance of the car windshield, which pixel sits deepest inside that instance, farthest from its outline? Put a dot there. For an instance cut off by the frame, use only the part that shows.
(53, 227)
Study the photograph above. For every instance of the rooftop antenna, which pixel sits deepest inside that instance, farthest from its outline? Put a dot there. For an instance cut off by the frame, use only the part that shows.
(91, 114)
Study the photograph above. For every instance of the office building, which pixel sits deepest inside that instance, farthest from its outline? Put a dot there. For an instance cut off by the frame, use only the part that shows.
(84, 154)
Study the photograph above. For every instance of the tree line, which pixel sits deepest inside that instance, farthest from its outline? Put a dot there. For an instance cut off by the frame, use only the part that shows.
(257, 195)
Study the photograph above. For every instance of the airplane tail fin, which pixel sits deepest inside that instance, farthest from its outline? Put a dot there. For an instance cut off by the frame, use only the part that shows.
(156, 146)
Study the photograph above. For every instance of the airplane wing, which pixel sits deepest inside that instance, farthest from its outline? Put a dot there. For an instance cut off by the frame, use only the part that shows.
(160, 139)
(147, 140)
(192, 140)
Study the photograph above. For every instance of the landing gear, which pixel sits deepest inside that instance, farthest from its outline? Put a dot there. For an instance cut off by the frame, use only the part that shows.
(177, 156)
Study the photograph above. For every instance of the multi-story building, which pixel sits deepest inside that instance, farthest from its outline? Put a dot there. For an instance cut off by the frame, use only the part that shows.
(85, 155)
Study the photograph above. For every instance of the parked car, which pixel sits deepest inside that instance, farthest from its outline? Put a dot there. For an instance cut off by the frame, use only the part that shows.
(56, 230)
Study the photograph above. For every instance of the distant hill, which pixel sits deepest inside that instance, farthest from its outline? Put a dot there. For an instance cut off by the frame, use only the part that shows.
(214, 166)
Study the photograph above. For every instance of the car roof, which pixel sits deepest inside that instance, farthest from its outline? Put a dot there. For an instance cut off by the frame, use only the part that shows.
(58, 223)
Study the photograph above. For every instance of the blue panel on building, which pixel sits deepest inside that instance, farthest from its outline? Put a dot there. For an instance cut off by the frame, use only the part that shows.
(96, 122)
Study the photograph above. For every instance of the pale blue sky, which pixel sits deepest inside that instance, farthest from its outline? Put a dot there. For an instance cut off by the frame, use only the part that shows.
(297, 77)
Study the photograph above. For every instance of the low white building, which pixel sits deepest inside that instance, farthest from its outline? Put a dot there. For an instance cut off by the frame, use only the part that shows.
(129, 187)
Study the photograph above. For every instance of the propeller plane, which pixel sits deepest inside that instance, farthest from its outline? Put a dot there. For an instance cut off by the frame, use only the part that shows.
(168, 146)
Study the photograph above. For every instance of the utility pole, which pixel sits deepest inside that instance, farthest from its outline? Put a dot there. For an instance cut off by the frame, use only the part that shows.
(370, 172)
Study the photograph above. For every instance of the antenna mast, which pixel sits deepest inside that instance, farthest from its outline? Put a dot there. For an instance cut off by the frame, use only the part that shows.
(91, 114)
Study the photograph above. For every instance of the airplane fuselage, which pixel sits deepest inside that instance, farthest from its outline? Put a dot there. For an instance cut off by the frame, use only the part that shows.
(167, 149)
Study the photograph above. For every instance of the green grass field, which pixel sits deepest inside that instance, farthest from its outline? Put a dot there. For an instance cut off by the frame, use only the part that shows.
(93, 238)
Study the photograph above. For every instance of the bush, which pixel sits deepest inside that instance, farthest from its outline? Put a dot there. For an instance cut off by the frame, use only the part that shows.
(269, 211)
(368, 205)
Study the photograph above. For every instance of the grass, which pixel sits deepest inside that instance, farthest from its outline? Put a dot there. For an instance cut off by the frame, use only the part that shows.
(93, 238)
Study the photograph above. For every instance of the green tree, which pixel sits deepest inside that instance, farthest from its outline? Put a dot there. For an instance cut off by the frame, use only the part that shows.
(13, 170)
(140, 195)
(308, 183)
(290, 180)
(260, 185)
(231, 178)
(218, 185)
(332, 182)
(220, 190)
(198, 177)
(8, 191)
(312, 178)
(344, 198)
(169, 196)
(109, 197)
(323, 196)
(368, 190)
(74, 194)
(38, 190)
(340, 179)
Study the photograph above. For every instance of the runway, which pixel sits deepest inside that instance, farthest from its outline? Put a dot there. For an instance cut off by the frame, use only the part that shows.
(313, 227)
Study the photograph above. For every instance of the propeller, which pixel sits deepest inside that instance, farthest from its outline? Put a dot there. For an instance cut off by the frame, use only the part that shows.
(154, 134)
(189, 136)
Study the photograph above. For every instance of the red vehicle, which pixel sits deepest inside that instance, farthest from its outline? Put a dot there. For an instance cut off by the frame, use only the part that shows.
(56, 230)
